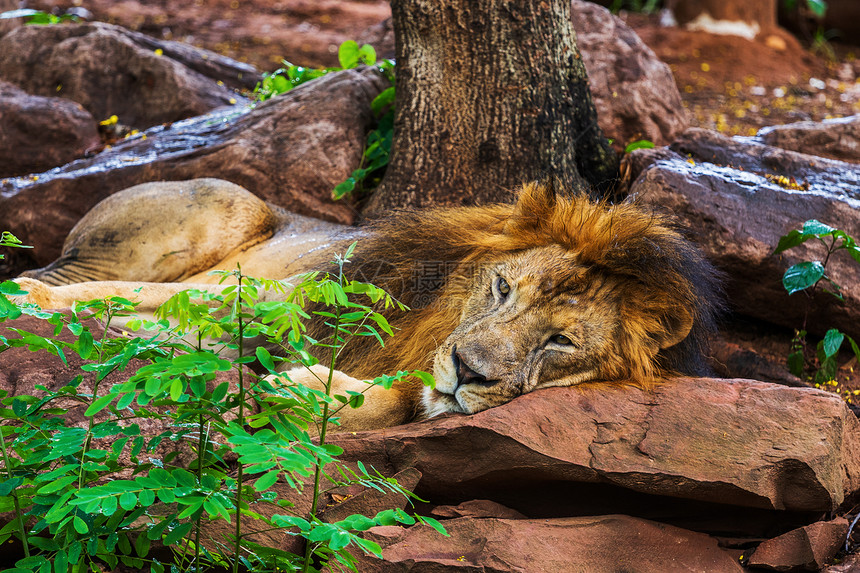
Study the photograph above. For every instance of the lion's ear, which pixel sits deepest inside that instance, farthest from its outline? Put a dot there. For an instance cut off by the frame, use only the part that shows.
(532, 211)
(677, 323)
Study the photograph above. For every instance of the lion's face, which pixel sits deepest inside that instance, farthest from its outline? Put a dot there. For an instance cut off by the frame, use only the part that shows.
(530, 320)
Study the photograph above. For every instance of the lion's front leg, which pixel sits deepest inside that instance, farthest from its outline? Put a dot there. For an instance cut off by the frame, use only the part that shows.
(381, 409)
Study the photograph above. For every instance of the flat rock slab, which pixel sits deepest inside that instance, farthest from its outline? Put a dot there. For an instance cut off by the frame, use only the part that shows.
(833, 138)
(113, 71)
(38, 133)
(290, 150)
(720, 188)
(735, 442)
(607, 543)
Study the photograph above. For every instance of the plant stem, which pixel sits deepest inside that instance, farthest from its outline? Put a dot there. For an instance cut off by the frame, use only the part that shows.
(241, 421)
(18, 515)
(96, 382)
(325, 417)
(200, 445)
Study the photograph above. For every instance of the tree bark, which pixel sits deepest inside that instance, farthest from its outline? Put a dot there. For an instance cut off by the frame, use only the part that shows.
(489, 94)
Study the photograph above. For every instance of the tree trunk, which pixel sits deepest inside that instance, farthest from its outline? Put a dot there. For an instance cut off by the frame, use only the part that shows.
(490, 94)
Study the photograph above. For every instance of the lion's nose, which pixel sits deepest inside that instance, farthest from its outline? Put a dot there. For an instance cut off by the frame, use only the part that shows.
(465, 375)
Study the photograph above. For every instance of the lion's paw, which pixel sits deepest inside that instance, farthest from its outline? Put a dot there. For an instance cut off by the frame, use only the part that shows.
(37, 293)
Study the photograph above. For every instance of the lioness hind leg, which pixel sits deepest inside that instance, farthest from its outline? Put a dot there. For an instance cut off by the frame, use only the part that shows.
(160, 232)
(149, 295)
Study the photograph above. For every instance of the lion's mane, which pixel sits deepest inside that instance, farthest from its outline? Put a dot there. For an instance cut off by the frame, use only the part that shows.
(663, 272)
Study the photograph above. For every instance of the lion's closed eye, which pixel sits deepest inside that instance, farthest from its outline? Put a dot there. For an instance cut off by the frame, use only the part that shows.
(560, 340)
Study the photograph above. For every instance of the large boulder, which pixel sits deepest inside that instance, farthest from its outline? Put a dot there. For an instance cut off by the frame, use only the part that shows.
(634, 92)
(112, 71)
(729, 442)
(38, 133)
(738, 197)
(605, 543)
(290, 150)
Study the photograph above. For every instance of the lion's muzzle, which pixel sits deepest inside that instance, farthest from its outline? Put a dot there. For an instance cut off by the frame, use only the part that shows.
(465, 373)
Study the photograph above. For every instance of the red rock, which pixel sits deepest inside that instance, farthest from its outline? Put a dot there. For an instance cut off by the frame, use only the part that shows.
(605, 543)
(290, 150)
(111, 71)
(718, 187)
(732, 442)
(477, 508)
(38, 133)
(808, 548)
(634, 92)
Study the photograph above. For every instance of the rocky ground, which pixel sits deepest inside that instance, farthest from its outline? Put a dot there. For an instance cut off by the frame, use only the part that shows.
(789, 461)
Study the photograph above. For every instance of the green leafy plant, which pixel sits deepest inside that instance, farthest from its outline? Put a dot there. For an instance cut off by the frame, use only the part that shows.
(7, 239)
(808, 276)
(101, 492)
(376, 152)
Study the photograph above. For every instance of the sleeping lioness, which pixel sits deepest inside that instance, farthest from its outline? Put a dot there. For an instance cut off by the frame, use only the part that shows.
(556, 290)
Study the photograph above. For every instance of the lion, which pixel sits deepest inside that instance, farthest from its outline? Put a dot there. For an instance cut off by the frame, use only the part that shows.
(554, 290)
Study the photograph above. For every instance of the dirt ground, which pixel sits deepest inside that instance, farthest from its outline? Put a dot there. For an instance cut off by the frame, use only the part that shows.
(729, 84)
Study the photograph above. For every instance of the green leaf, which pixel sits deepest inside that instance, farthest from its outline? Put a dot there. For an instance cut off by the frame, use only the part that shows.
(795, 363)
(434, 524)
(80, 525)
(344, 188)
(816, 228)
(792, 239)
(367, 55)
(817, 7)
(265, 358)
(425, 377)
(176, 389)
(832, 342)
(347, 54)
(177, 534)
(802, 276)
(641, 144)
(128, 501)
(854, 347)
(99, 405)
(141, 545)
(267, 480)
(61, 562)
(383, 100)
(57, 485)
(8, 485)
(84, 345)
